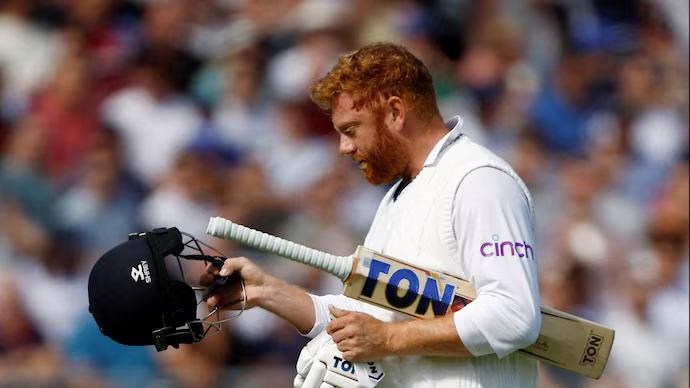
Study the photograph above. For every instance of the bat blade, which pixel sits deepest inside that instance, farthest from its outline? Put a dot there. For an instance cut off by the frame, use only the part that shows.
(565, 340)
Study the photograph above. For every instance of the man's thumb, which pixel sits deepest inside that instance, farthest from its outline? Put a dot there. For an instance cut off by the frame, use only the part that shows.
(336, 311)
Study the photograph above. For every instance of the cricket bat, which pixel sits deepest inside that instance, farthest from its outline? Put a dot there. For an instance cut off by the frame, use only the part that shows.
(565, 340)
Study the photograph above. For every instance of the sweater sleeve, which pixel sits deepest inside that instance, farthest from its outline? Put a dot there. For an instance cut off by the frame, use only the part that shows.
(496, 248)
(321, 313)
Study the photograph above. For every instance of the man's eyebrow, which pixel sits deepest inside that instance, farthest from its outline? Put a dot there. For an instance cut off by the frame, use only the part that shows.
(346, 125)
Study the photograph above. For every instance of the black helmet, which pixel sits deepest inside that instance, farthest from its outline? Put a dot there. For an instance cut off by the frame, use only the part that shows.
(135, 301)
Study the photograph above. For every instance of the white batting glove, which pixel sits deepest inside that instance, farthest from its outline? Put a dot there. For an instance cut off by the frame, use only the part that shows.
(321, 365)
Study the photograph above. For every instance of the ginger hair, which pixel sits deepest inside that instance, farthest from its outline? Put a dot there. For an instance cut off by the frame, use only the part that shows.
(374, 71)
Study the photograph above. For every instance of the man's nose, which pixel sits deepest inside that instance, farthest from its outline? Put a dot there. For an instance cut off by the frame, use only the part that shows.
(347, 146)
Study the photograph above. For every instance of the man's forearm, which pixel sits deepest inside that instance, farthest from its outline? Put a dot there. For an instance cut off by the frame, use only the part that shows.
(288, 302)
(428, 337)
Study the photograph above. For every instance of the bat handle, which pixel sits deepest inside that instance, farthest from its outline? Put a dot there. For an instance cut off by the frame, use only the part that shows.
(340, 266)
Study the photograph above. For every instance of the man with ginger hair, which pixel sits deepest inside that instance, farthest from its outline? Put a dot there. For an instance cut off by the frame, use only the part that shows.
(455, 207)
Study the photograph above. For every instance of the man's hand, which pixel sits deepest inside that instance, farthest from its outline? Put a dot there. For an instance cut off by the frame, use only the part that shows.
(359, 336)
(272, 294)
(230, 296)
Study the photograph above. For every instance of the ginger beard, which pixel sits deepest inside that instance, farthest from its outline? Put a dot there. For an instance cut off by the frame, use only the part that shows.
(386, 159)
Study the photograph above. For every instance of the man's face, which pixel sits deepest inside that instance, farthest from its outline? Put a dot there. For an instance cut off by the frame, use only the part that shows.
(364, 135)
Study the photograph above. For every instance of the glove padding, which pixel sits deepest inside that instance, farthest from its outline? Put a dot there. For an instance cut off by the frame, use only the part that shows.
(321, 362)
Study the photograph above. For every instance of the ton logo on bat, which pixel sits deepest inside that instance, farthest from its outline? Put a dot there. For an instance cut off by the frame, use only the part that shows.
(429, 295)
(589, 357)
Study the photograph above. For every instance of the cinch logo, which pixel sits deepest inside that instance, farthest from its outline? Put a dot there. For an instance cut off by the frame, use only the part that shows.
(141, 272)
(430, 294)
(501, 248)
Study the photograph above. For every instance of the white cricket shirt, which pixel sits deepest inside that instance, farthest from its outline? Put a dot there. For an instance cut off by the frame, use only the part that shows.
(493, 248)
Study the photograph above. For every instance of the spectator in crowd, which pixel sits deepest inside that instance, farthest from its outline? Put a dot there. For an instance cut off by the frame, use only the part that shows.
(151, 113)
(289, 155)
(103, 190)
(68, 117)
(191, 188)
(241, 115)
(28, 53)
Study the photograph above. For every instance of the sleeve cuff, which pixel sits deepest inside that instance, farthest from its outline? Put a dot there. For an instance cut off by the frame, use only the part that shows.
(320, 316)
(469, 332)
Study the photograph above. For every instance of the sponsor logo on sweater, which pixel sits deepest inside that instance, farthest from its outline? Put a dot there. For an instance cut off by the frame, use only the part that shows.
(500, 248)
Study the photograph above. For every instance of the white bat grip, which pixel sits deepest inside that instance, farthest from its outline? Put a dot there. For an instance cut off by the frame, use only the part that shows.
(340, 266)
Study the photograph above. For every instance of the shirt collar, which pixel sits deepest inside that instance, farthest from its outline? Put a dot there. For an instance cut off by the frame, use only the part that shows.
(454, 125)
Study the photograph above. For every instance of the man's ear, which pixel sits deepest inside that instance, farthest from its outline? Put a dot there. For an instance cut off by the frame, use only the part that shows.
(395, 113)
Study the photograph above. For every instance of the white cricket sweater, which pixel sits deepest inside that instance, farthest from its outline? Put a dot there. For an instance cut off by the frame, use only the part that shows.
(467, 213)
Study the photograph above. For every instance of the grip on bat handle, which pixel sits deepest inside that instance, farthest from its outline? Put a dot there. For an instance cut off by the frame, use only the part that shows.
(340, 266)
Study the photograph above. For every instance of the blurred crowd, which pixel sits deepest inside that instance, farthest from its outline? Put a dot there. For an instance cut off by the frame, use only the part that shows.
(118, 116)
